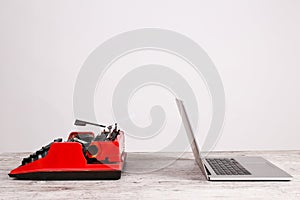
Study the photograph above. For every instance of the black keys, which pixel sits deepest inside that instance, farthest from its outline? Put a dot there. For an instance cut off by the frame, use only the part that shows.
(58, 140)
(26, 160)
(225, 166)
(39, 153)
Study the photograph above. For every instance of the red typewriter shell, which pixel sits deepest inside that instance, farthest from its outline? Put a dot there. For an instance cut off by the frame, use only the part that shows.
(65, 160)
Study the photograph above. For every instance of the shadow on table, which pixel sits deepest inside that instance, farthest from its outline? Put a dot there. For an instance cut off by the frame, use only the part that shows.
(163, 165)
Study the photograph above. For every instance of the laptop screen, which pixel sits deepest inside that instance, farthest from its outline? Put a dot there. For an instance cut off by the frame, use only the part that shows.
(190, 134)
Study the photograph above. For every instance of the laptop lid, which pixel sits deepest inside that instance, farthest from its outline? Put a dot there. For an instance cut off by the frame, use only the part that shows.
(190, 134)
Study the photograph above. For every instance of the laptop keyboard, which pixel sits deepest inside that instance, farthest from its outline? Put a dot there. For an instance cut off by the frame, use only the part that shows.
(227, 166)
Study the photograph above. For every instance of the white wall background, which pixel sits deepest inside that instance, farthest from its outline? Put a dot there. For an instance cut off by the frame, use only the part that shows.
(254, 44)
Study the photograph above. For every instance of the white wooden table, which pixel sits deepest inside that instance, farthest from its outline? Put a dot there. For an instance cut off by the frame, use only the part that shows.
(181, 179)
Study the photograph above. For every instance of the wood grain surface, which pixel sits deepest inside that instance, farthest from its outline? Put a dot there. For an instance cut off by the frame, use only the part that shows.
(156, 176)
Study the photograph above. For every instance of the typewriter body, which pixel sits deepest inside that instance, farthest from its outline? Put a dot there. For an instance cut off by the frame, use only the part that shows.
(83, 156)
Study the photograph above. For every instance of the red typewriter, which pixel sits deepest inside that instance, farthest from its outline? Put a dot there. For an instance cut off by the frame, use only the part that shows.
(83, 156)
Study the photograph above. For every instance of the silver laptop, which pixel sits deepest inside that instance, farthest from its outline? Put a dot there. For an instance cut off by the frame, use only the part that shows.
(231, 169)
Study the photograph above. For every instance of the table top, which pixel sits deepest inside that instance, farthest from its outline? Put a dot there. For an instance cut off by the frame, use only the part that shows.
(157, 176)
